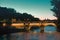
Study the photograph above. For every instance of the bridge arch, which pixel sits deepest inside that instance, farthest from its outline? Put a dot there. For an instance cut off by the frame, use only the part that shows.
(50, 28)
(34, 25)
(50, 24)
(35, 28)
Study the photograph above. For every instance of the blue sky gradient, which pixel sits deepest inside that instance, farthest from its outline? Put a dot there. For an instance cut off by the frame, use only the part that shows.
(38, 8)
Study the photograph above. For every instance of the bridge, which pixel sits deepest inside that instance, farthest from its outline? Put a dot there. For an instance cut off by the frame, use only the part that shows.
(33, 24)
(29, 25)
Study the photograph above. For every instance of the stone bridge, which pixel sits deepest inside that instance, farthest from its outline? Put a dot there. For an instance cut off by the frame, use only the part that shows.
(32, 24)
(35, 24)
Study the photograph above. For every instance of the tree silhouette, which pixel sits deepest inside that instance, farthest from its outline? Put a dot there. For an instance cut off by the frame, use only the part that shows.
(8, 14)
(56, 10)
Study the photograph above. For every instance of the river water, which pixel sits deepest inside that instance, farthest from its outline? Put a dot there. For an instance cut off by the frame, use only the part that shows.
(49, 34)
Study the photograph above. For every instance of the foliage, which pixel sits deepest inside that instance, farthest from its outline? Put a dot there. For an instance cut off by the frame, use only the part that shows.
(56, 10)
(10, 13)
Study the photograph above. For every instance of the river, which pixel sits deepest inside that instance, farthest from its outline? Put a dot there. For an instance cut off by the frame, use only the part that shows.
(50, 33)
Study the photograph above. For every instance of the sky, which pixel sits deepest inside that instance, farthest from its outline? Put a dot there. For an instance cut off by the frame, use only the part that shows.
(37, 8)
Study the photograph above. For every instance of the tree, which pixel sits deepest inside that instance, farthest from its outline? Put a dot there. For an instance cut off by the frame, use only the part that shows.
(6, 13)
(56, 10)
(9, 13)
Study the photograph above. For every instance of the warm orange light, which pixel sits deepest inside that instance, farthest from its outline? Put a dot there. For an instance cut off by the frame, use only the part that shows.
(4, 24)
(17, 25)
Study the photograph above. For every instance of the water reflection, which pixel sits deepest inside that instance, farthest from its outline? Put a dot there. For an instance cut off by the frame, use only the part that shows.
(50, 29)
(33, 36)
(1, 38)
(46, 29)
(35, 29)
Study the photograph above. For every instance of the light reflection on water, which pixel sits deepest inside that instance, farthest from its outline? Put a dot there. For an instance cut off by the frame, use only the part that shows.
(32, 36)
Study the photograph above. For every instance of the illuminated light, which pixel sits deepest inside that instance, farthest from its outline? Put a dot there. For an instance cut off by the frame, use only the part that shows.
(34, 23)
(4, 24)
(53, 24)
(18, 25)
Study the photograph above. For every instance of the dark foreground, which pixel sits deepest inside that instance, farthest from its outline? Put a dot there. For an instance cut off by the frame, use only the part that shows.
(9, 31)
(49, 33)
(31, 36)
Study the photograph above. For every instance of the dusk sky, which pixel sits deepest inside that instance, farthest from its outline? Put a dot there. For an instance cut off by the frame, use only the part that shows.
(38, 8)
